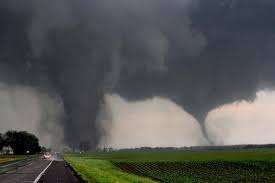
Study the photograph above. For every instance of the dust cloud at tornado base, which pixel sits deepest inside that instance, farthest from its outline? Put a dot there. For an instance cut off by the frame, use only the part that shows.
(156, 122)
(27, 109)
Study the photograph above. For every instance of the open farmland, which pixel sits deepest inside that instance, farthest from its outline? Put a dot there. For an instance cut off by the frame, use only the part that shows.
(177, 166)
(203, 171)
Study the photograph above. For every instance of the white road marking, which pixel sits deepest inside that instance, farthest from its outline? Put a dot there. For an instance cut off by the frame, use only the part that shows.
(40, 175)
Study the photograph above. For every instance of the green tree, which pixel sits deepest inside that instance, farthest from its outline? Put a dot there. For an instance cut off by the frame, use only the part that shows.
(1, 142)
(22, 142)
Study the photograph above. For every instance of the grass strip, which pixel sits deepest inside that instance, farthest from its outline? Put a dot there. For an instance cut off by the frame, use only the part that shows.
(102, 171)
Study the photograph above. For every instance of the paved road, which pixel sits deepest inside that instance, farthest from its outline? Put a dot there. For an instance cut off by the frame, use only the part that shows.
(26, 174)
(40, 171)
(58, 172)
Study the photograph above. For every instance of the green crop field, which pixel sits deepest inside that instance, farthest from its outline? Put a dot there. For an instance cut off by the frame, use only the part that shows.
(178, 166)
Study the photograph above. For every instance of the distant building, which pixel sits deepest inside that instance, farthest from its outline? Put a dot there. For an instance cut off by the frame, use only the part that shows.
(84, 146)
(7, 150)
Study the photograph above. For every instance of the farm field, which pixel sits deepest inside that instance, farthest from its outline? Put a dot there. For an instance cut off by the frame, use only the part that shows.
(178, 166)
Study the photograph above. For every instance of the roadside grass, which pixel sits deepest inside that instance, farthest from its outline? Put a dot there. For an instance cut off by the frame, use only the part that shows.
(102, 171)
(10, 158)
(256, 165)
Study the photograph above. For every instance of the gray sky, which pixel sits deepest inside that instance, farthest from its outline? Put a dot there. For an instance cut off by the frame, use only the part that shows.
(158, 122)
(244, 122)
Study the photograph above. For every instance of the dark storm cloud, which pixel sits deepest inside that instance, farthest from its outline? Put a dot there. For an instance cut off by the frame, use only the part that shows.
(199, 54)
(237, 61)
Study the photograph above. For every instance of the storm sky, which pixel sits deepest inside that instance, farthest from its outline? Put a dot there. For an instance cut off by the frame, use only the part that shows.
(95, 69)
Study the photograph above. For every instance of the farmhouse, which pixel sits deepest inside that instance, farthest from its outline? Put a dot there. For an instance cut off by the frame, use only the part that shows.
(7, 150)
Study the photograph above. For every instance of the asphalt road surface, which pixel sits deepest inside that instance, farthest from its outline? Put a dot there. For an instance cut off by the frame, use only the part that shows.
(40, 171)
(58, 172)
(25, 174)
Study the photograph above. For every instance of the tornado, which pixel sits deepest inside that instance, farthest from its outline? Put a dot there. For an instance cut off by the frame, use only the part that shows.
(201, 55)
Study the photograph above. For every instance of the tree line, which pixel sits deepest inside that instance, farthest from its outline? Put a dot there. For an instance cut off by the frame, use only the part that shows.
(21, 142)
